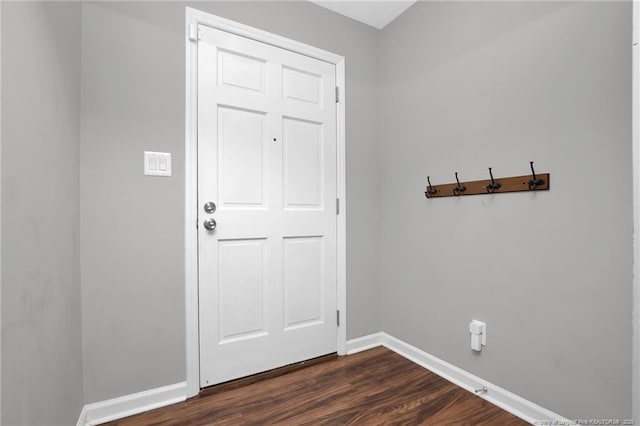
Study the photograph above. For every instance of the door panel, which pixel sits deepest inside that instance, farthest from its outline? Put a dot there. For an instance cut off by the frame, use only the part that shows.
(242, 161)
(303, 86)
(241, 71)
(303, 278)
(303, 163)
(267, 158)
(242, 279)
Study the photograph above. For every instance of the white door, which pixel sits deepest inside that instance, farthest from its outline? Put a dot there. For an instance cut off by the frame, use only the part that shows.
(267, 159)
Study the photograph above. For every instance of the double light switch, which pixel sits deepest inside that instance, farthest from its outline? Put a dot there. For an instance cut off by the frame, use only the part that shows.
(157, 163)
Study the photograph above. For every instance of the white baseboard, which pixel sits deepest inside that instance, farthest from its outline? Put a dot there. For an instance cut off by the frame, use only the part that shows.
(508, 401)
(365, 342)
(118, 408)
(82, 420)
(128, 405)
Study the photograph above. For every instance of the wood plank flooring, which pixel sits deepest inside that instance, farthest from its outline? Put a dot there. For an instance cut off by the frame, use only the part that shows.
(375, 387)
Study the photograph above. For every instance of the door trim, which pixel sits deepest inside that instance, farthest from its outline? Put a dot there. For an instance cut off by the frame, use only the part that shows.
(193, 18)
(635, 143)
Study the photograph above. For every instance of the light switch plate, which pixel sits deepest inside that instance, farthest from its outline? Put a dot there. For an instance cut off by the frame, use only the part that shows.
(157, 163)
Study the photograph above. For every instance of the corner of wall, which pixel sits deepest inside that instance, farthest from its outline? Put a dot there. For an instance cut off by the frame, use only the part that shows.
(635, 392)
(40, 158)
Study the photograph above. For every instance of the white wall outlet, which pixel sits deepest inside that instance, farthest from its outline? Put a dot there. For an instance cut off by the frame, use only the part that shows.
(157, 163)
(478, 330)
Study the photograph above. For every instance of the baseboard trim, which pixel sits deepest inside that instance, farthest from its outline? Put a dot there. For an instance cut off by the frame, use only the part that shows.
(82, 420)
(365, 342)
(128, 405)
(118, 408)
(508, 401)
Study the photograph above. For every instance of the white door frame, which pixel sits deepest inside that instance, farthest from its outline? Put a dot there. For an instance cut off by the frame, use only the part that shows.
(193, 18)
(635, 363)
(0, 211)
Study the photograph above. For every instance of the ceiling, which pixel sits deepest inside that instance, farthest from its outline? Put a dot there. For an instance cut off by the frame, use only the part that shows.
(376, 13)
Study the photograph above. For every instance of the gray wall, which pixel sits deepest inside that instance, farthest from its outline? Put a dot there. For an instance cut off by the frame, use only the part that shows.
(465, 86)
(447, 87)
(132, 226)
(42, 353)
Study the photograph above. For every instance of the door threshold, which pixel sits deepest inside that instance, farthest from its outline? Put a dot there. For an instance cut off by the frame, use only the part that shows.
(265, 375)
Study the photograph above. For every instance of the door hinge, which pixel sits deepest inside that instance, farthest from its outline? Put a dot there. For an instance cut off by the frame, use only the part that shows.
(194, 32)
(196, 223)
(337, 94)
(337, 205)
(338, 318)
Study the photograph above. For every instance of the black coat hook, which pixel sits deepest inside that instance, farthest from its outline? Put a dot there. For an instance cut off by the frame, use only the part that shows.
(430, 192)
(458, 189)
(535, 181)
(491, 188)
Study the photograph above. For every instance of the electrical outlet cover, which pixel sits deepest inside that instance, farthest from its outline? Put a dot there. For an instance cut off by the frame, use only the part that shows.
(157, 163)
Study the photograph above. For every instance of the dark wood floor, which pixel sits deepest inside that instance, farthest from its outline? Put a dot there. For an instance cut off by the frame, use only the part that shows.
(375, 387)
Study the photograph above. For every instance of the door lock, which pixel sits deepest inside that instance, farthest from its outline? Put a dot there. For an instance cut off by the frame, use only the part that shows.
(210, 224)
(209, 207)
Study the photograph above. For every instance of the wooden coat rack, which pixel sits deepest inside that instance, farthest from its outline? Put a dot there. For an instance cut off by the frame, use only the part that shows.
(532, 182)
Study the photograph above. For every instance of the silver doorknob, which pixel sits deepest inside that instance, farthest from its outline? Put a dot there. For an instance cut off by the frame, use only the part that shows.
(210, 207)
(210, 224)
